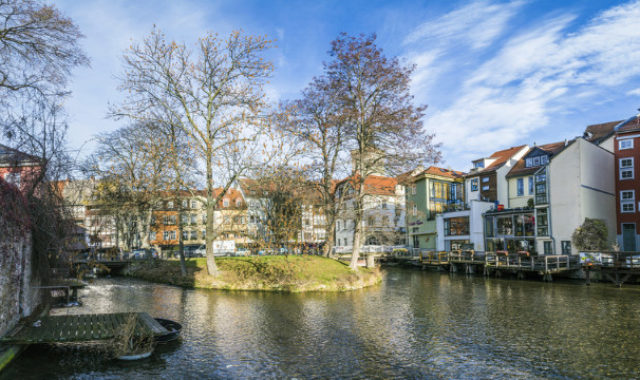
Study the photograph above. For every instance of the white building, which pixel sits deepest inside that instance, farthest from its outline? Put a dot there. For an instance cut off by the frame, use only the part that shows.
(383, 221)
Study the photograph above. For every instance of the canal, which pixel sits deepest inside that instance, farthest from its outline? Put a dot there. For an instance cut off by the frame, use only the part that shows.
(415, 324)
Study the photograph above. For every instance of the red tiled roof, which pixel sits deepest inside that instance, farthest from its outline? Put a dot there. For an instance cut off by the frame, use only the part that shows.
(502, 156)
(377, 185)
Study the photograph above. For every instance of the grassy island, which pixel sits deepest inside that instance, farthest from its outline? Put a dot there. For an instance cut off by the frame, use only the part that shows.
(278, 273)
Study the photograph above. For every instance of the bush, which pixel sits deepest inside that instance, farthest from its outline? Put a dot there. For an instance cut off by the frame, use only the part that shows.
(591, 235)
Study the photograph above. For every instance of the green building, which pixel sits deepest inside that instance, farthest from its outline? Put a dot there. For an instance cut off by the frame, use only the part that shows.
(430, 192)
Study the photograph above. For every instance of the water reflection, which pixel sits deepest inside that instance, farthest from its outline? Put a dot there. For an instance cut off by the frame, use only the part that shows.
(416, 324)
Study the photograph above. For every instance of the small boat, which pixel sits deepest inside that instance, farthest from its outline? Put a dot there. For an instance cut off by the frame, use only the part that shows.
(173, 327)
(138, 356)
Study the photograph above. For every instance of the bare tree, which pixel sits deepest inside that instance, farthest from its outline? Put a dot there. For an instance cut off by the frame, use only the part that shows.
(133, 163)
(38, 48)
(316, 121)
(214, 94)
(386, 128)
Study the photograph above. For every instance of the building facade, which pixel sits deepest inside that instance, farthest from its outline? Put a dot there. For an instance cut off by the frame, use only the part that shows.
(627, 184)
(427, 194)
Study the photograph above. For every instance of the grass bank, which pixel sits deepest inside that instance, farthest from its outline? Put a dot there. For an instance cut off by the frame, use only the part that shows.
(279, 273)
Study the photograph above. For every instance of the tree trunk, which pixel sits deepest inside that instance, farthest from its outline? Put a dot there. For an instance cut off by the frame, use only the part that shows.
(329, 238)
(356, 243)
(183, 268)
(212, 268)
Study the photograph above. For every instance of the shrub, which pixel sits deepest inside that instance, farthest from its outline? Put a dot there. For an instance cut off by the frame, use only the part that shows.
(591, 235)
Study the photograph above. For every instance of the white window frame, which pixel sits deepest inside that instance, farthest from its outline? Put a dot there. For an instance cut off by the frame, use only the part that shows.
(415, 210)
(631, 201)
(225, 202)
(625, 169)
(474, 183)
(413, 189)
(620, 144)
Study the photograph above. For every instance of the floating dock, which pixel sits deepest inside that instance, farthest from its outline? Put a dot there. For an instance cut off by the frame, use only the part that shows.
(82, 328)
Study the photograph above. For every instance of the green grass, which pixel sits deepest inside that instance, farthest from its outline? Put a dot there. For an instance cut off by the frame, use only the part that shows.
(284, 273)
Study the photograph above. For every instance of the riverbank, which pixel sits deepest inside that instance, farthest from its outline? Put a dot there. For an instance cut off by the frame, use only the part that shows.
(275, 273)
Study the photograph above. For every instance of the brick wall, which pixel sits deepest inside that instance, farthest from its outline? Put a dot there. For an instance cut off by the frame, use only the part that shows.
(19, 295)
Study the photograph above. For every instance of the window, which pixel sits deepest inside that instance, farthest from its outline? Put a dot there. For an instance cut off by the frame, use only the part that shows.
(478, 164)
(626, 168)
(547, 248)
(204, 218)
(185, 203)
(184, 219)
(185, 235)
(485, 179)
(371, 221)
(628, 201)
(544, 160)
(415, 210)
(192, 218)
(625, 144)
(520, 187)
(170, 204)
(152, 236)
(169, 235)
(413, 189)
(485, 188)
(339, 241)
(13, 178)
(566, 247)
(338, 227)
(225, 203)
(385, 221)
(474, 184)
(384, 205)
(542, 222)
(456, 226)
(204, 234)
(238, 202)
(530, 185)
(194, 204)
(505, 225)
(169, 220)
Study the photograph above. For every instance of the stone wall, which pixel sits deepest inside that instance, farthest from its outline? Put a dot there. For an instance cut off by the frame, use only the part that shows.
(19, 295)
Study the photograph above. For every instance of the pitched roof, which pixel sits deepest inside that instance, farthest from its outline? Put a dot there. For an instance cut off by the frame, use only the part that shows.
(376, 185)
(500, 158)
(595, 133)
(631, 124)
(520, 169)
(14, 157)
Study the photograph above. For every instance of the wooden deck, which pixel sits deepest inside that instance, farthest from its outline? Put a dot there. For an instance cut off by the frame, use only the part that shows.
(495, 262)
(81, 328)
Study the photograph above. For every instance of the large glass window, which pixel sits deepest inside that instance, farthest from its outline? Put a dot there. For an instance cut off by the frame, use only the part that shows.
(505, 225)
(488, 226)
(456, 226)
(530, 185)
(541, 188)
(628, 201)
(543, 222)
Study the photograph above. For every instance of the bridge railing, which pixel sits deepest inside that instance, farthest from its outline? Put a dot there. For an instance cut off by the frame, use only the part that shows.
(611, 259)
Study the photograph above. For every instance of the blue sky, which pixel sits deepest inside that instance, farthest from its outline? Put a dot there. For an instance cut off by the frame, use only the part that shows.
(494, 74)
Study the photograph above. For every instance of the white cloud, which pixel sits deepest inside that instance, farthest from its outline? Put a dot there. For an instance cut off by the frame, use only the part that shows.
(535, 73)
(634, 92)
(477, 24)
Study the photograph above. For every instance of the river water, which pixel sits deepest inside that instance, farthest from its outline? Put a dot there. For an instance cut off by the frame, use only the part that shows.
(414, 325)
